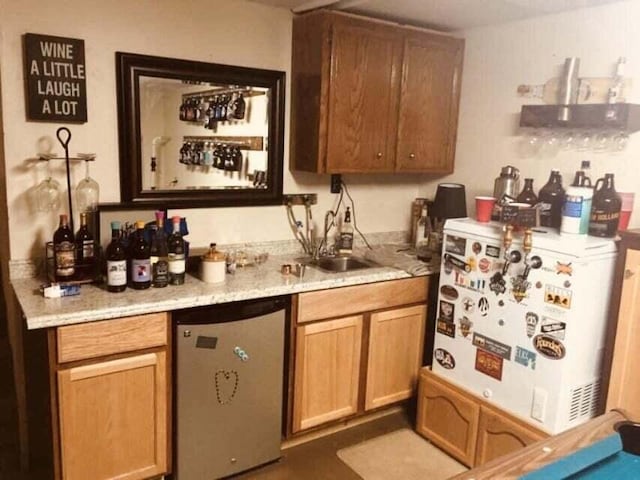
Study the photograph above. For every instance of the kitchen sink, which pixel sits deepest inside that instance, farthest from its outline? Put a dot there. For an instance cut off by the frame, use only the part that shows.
(342, 264)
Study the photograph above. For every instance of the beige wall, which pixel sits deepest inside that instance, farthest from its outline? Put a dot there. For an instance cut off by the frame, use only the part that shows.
(221, 31)
(499, 58)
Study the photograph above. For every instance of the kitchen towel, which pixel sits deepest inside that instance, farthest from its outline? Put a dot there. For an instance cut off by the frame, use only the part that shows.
(400, 455)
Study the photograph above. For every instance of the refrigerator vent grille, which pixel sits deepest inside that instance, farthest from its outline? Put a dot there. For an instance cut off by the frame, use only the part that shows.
(584, 401)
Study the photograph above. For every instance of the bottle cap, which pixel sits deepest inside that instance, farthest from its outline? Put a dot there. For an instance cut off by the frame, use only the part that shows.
(159, 215)
(115, 225)
(175, 219)
(140, 224)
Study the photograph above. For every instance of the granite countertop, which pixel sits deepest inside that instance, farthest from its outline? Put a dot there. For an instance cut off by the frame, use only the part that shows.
(96, 303)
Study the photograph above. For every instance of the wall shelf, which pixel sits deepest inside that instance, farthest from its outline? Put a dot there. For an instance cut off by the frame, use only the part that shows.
(618, 116)
(243, 143)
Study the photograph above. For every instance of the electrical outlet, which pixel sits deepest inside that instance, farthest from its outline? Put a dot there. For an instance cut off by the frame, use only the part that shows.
(336, 183)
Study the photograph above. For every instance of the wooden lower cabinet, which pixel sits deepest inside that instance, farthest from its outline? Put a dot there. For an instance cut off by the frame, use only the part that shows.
(499, 435)
(357, 348)
(467, 427)
(327, 370)
(113, 411)
(448, 417)
(395, 355)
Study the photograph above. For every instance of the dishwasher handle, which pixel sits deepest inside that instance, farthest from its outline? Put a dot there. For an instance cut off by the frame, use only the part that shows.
(230, 312)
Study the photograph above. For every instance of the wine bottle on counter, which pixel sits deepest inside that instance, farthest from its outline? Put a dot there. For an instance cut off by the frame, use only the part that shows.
(64, 250)
(116, 261)
(140, 255)
(159, 254)
(85, 250)
(177, 260)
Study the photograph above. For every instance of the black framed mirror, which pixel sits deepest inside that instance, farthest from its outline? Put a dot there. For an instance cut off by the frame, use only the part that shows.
(196, 134)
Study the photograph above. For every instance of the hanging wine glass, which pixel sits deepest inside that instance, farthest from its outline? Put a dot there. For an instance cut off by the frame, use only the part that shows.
(48, 193)
(87, 191)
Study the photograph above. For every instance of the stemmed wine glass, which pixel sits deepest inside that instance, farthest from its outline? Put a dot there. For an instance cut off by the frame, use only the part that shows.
(88, 190)
(48, 193)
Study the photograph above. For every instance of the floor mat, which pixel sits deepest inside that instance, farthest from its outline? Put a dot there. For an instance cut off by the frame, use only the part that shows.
(400, 455)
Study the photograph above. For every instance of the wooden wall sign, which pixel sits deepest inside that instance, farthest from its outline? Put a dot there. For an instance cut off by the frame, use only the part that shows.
(55, 78)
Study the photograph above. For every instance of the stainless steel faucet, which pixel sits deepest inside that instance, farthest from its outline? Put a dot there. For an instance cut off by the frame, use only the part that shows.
(324, 246)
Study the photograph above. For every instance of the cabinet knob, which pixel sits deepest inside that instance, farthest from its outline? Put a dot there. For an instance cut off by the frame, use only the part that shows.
(412, 156)
(379, 154)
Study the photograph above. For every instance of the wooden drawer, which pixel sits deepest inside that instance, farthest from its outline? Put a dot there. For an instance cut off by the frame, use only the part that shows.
(106, 337)
(339, 302)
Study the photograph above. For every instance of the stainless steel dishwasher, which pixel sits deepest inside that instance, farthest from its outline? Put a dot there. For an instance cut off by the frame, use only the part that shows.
(228, 387)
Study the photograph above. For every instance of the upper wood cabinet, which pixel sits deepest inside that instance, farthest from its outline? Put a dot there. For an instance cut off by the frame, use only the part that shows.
(370, 96)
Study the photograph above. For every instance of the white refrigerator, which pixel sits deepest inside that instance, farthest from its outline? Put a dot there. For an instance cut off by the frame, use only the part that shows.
(525, 332)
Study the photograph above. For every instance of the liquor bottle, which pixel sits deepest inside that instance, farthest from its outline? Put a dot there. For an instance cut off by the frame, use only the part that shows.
(140, 259)
(527, 195)
(85, 251)
(551, 197)
(159, 254)
(423, 232)
(116, 261)
(64, 250)
(346, 235)
(239, 107)
(177, 260)
(605, 208)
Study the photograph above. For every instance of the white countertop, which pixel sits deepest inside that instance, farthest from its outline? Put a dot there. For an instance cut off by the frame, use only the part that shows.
(96, 303)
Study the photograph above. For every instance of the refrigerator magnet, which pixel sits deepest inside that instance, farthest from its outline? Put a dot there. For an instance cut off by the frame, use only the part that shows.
(465, 326)
(444, 358)
(484, 265)
(560, 297)
(445, 327)
(552, 327)
(447, 310)
(453, 244)
(564, 268)
(525, 357)
(492, 251)
(483, 306)
(449, 292)
(476, 248)
(468, 305)
(549, 347)
(491, 345)
(489, 364)
(532, 323)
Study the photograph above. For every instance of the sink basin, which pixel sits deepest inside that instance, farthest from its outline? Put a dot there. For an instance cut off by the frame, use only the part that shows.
(342, 264)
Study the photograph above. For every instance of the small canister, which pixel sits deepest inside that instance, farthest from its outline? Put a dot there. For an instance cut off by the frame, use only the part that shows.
(213, 266)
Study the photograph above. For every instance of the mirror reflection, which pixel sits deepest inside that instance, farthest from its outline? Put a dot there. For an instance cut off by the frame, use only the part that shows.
(202, 135)
(196, 134)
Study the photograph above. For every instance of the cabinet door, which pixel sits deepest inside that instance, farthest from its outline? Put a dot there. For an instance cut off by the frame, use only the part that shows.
(113, 419)
(429, 98)
(396, 341)
(624, 383)
(499, 434)
(327, 368)
(363, 94)
(448, 418)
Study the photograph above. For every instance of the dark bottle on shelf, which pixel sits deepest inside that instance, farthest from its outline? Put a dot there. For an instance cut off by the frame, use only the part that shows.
(159, 254)
(85, 250)
(116, 261)
(177, 259)
(64, 250)
(605, 209)
(239, 107)
(551, 198)
(527, 195)
(140, 259)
